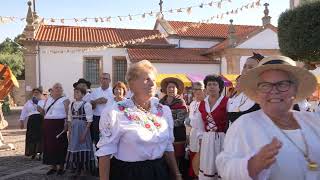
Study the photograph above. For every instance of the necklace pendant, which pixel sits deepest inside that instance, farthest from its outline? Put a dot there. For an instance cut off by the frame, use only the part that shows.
(312, 166)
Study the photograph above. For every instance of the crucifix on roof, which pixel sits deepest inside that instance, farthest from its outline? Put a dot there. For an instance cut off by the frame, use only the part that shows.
(161, 14)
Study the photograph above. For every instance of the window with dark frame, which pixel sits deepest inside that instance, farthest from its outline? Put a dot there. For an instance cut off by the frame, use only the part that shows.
(92, 70)
(119, 69)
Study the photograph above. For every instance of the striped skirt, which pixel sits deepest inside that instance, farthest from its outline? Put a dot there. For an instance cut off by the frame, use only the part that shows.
(80, 155)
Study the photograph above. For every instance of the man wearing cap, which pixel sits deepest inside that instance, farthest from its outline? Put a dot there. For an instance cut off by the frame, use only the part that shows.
(84, 84)
(100, 98)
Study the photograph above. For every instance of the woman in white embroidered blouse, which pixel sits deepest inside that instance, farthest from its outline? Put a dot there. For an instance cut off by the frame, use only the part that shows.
(274, 143)
(137, 133)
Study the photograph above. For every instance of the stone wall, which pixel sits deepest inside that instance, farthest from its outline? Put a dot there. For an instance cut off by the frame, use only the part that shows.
(18, 94)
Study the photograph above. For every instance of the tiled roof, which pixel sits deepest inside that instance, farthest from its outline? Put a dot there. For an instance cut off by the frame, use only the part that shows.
(241, 38)
(75, 34)
(208, 30)
(171, 55)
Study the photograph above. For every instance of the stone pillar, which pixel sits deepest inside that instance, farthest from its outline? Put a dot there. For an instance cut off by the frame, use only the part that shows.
(30, 62)
(233, 64)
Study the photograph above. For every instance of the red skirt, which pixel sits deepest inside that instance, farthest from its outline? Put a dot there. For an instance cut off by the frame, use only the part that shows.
(54, 149)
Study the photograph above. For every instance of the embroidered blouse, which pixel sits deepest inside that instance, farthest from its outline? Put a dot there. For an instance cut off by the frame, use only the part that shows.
(130, 134)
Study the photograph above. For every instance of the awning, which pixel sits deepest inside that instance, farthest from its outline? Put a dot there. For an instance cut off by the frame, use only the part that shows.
(231, 77)
(199, 77)
(182, 77)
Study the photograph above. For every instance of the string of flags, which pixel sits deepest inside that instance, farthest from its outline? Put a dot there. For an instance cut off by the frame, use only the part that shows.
(130, 17)
(157, 36)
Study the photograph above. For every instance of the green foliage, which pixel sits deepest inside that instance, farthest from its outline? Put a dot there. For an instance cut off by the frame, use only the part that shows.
(11, 55)
(299, 32)
(14, 61)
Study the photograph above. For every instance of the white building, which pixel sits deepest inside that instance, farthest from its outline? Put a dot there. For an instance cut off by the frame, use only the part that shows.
(56, 53)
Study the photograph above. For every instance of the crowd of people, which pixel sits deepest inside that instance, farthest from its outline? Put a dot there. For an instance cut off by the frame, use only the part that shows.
(261, 131)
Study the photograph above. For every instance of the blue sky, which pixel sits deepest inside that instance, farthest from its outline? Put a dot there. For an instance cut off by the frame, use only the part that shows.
(105, 8)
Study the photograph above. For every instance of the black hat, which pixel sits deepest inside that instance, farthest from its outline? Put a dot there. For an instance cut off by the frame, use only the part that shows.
(82, 80)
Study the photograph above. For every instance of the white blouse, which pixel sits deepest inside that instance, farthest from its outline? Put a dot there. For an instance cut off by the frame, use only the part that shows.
(98, 93)
(57, 111)
(132, 135)
(254, 130)
(29, 109)
(239, 103)
(86, 97)
(193, 109)
(87, 110)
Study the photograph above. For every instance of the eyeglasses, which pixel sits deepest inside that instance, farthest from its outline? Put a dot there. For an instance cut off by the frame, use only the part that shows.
(281, 86)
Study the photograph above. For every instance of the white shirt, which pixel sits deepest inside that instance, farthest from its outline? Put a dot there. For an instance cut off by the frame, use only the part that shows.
(29, 109)
(239, 102)
(124, 135)
(86, 97)
(304, 105)
(98, 93)
(194, 141)
(252, 131)
(57, 111)
(77, 105)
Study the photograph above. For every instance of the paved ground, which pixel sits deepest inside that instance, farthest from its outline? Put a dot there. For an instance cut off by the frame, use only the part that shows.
(14, 165)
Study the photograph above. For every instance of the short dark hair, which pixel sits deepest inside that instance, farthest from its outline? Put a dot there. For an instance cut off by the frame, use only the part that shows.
(37, 89)
(82, 90)
(214, 78)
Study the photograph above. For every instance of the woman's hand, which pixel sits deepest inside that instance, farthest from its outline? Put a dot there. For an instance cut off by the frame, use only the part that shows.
(264, 158)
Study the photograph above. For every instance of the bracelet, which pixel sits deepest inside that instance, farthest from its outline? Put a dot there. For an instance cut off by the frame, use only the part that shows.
(178, 174)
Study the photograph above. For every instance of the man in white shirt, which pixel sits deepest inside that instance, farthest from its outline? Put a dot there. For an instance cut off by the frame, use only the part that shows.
(100, 98)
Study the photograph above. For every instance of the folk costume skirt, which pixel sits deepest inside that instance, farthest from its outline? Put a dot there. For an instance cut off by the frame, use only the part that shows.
(54, 149)
(80, 155)
(211, 146)
(142, 170)
(34, 135)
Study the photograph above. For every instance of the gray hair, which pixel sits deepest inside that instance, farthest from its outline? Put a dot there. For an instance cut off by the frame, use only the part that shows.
(135, 69)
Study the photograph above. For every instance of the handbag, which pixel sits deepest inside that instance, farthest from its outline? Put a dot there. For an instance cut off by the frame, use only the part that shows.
(3, 124)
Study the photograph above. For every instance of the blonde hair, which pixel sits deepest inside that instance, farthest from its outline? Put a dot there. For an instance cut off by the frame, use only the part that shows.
(135, 69)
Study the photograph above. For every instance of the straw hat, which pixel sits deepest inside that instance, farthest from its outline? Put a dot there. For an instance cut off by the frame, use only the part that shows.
(164, 83)
(306, 80)
(196, 163)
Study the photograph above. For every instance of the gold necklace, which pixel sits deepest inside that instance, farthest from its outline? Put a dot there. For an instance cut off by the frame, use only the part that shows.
(312, 165)
(140, 107)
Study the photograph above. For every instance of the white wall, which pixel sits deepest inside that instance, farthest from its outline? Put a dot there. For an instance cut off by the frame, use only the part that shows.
(266, 39)
(203, 69)
(67, 68)
(224, 66)
(186, 43)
